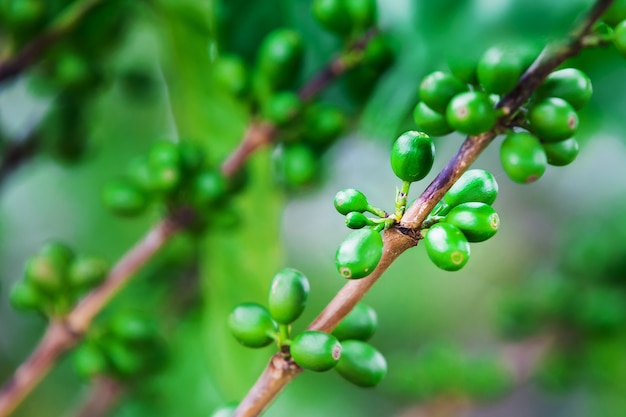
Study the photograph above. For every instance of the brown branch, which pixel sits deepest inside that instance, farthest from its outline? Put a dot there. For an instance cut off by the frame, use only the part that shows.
(15, 154)
(69, 19)
(395, 243)
(105, 393)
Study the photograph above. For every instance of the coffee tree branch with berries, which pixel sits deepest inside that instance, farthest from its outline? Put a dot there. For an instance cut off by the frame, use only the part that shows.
(206, 277)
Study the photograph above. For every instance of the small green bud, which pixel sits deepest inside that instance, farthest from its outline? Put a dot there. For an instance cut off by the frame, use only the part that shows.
(350, 200)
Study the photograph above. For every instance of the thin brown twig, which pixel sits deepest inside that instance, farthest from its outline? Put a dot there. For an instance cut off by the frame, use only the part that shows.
(395, 243)
(103, 396)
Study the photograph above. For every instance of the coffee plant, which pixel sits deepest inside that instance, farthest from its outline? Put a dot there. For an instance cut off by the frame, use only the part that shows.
(167, 173)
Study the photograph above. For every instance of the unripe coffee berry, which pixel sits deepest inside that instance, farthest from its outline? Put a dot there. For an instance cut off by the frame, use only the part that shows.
(471, 113)
(25, 297)
(124, 198)
(447, 247)
(570, 84)
(429, 121)
(86, 272)
(499, 69)
(359, 254)
(230, 72)
(356, 220)
(561, 153)
(359, 324)
(332, 14)
(412, 156)
(280, 56)
(252, 325)
(477, 221)
(523, 157)
(474, 185)
(350, 200)
(297, 165)
(552, 119)
(315, 351)
(438, 88)
(89, 361)
(361, 363)
(283, 107)
(362, 13)
(288, 294)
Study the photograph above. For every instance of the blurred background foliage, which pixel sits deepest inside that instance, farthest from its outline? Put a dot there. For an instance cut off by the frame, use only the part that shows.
(136, 72)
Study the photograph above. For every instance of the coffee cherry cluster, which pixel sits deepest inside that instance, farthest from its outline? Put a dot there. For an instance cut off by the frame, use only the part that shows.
(412, 157)
(55, 278)
(345, 18)
(174, 174)
(540, 134)
(255, 326)
(443, 369)
(127, 346)
(464, 215)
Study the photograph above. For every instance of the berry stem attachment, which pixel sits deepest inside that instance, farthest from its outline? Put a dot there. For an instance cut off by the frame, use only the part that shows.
(377, 212)
(283, 335)
(401, 196)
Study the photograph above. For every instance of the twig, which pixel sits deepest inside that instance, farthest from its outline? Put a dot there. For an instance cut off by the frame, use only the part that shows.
(395, 242)
(103, 396)
(63, 25)
(15, 154)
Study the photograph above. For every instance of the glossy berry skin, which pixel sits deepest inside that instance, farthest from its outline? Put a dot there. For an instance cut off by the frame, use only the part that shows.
(463, 67)
(363, 13)
(208, 188)
(86, 272)
(123, 198)
(315, 351)
(25, 297)
(523, 157)
(561, 153)
(89, 361)
(361, 363)
(332, 14)
(280, 56)
(297, 165)
(45, 274)
(570, 84)
(356, 220)
(429, 121)
(619, 37)
(133, 327)
(438, 88)
(252, 325)
(412, 156)
(359, 254)
(230, 72)
(471, 113)
(447, 247)
(324, 124)
(283, 108)
(552, 119)
(474, 185)
(288, 294)
(477, 221)
(350, 200)
(499, 70)
(359, 324)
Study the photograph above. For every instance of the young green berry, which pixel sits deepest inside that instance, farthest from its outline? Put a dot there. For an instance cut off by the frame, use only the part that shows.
(359, 254)
(315, 351)
(231, 73)
(362, 13)
(208, 188)
(46, 274)
(619, 37)
(570, 84)
(350, 200)
(139, 174)
(429, 121)
(474, 185)
(463, 66)
(523, 157)
(477, 221)
(280, 56)
(357, 220)
(499, 69)
(288, 295)
(615, 13)
(123, 359)
(412, 156)
(361, 363)
(297, 165)
(192, 156)
(561, 153)
(438, 88)
(86, 272)
(359, 324)
(323, 125)
(471, 113)
(552, 119)
(124, 198)
(252, 325)
(447, 247)
(89, 361)
(25, 297)
(283, 107)
(332, 14)
(133, 327)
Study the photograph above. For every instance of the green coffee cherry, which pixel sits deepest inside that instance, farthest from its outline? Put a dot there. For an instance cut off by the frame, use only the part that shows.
(359, 324)
(192, 156)
(477, 221)
(361, 363)
(357, 220)
(363, 13)
(619, 38)
(283, 108)
(25, 297)
(615, 13)
(208, 188)
(438, 88)
(46, 274)
(412, 156)
(447, 247)
(499, 69)
(124, 198)
(139, 174)
(561, 153)
(429, 121)
(323, 125)
(463, 67)
(280, 56)
(474, 185)
(89, 361)
(231, 73)
(350, 200)
(523, 157)
(297, 165)
(570, 84)
(315, 351)
(133, 327)
(288, 294)
(252, 325)
(359, 254)
(553, 119)
(123, 359)
(332, 14)
(471, 113)
(86, 272)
